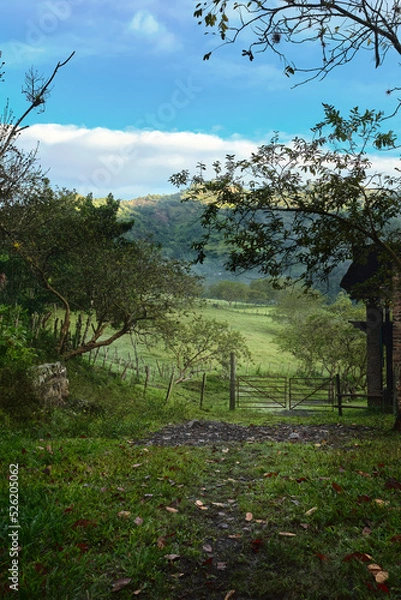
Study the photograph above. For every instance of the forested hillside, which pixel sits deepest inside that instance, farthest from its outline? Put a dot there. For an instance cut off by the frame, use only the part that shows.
(176, 225)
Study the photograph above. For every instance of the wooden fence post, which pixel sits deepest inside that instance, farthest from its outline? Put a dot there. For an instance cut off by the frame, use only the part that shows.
(147, 376)
(232, 381)
(170, 385)
(202, 390)
(339, 396)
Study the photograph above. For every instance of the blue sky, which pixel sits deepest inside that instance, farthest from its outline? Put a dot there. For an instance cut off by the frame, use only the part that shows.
(137, 102)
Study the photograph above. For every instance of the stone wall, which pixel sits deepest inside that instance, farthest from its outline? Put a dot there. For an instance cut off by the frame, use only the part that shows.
(52, 384)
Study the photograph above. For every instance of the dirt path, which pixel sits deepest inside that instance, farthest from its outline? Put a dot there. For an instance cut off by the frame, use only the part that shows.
(200, 433)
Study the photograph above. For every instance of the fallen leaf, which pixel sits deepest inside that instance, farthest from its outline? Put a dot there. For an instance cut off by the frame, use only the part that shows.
(121, 489)
(362, 556)
(378, 573)
(207, 548)
(171, 557)
(137, 465)
(235, 536)
(199, 504)
(49, 449)
(363, 473)
(229, 595)
(138, 521)
(287, 534)
(396, 538)
(337, 488)
(322, 557)
(171, 509)
(219, 504)
(393, 484)
(311, 511)
(85, 523)
(363, 498)
(120, 584)
(68, 509)
(221, 566)
(225, 450)
(381, 576)
(256, 545)
(124, 514)
(381, 502)
(161, 542)
(248, 516)
(270, 475)
(41, 569)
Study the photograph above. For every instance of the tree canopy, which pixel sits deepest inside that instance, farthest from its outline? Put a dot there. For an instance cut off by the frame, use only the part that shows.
(74, 252)
(309, 205)
(340, 29)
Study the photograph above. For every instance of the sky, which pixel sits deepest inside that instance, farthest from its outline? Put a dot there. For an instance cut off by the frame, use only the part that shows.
(137, 102)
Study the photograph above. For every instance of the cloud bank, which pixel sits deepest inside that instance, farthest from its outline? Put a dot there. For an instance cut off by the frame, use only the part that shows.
(125, 163)
(135, 162)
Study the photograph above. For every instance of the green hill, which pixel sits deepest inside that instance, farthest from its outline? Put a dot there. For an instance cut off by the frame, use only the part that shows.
(175, 225)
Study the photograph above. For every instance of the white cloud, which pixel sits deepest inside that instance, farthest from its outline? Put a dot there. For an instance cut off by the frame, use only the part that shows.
(125, 163)
(145, 23)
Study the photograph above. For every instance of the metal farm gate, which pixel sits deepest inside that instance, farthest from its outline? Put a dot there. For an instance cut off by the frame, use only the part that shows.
(311, 391)
(261, 392)
(283, 392)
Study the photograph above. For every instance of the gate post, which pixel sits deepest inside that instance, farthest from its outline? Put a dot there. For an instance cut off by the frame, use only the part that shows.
(232, 381)
(339, 396)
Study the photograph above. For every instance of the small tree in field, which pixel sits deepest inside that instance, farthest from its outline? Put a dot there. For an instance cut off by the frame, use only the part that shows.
(321, 337)
(230, 291)
(202, 343)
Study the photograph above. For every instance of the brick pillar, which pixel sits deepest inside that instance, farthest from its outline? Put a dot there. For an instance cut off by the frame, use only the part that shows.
(374, 354)
(397, 348)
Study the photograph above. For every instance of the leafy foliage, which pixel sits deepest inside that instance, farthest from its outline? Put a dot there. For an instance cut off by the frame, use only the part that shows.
(309, 205)
(320, 335)
(18, 396)
(201, 341)
(78, 255)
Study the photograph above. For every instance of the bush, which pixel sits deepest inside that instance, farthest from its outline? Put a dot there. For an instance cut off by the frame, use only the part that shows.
(18, 397)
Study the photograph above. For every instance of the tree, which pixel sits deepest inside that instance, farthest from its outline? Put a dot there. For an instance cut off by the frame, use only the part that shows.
(18, 171)
(309, 205)
(231, 291)
(261, 291)
(76, 253)
(341, 29)
(201, 342)
(321, 335)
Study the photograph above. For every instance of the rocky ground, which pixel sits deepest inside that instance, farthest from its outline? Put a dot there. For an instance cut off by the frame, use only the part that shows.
(200, 433)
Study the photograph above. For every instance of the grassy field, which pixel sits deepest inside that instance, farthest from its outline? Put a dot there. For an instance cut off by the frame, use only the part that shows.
(255, 323)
